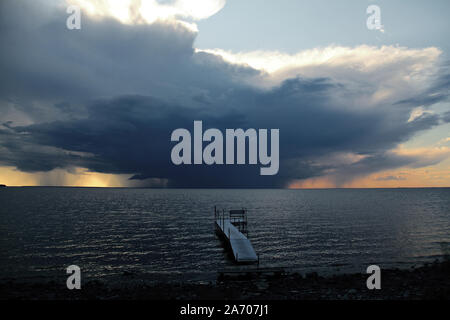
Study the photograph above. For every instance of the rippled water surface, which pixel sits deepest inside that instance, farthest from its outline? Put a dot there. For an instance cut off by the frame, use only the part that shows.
(169, 234)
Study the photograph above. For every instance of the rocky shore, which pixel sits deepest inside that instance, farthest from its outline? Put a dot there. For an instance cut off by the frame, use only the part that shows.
(428, 282)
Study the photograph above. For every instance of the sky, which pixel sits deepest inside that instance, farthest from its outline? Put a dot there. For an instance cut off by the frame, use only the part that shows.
(291, 26)
(355, 107)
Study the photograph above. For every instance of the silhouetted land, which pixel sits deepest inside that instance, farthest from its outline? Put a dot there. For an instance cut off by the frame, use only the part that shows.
(428, 282)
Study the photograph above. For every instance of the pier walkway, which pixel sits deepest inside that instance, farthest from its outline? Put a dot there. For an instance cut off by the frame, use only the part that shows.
(241, 247)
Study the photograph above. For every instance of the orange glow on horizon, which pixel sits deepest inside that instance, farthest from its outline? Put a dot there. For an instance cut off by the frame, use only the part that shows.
(429, 177)
(77, 177)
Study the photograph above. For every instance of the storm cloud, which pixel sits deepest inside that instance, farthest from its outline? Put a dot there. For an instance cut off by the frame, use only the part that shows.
(108, 96)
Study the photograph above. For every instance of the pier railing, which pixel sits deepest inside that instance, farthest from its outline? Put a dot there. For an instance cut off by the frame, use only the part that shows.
(237, 217)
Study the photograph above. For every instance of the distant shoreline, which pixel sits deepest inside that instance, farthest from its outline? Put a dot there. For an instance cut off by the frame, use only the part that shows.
(429, 282)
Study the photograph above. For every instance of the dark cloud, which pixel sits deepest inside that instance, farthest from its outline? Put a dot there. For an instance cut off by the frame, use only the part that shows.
(107, 98)
(131, 134)
(44, 64)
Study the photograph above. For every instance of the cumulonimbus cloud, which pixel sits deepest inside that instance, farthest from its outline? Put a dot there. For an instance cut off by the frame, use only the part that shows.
(107, 97)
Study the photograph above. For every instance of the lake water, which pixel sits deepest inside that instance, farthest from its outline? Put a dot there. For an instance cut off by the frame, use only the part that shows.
(168, 234)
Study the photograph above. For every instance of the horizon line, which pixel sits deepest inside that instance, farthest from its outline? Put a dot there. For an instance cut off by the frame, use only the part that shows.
(217, 188)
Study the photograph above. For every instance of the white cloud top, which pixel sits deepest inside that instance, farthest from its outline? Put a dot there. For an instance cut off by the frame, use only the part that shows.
(149, 11)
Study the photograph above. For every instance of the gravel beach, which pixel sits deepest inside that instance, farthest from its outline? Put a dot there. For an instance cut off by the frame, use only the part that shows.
(427, 282)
